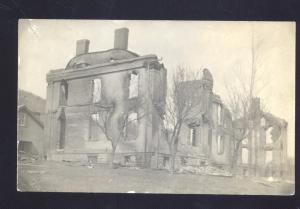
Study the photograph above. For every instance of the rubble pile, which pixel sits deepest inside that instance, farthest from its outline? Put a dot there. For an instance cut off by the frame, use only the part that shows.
(205, 170)
(27, 158)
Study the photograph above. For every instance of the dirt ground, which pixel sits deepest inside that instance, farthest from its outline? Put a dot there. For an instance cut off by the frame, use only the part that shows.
(77, 177)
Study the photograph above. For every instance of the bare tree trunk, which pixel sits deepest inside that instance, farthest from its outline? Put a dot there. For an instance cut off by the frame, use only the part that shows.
(173, 154)
(235, 156)
(171, 150)
(173, 157)
(113, 151)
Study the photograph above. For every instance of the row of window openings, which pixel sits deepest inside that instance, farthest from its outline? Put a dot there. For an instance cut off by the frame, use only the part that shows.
(97, 89)
(218, 111)
(263, 122)
(220, 116)
(268, 138)
(245, 156)
(193, 135)
(131, 127)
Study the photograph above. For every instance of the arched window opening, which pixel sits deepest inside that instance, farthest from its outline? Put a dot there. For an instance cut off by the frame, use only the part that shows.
(192, 138)
(245, 141)
(269, 136)
(220, 144)
(63, 93)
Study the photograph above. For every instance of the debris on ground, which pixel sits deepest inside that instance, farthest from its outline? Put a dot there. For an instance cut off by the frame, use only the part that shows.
(133, 167)
(205, 170)
(27, 158)
(268, 181)
(263, 183)
(90, 166)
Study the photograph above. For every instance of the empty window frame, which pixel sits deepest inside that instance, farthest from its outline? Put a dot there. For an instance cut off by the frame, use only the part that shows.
(245, 141)
(63, 93)
(192, 138)
(262, 122)
(21, 119)
(134, 85)
(95, 117)
(220, 144)
(269, 156)
(269, 136)
(96, 126)
(97, 87)
(166, 161)
(210, 137)
(219, 112)
(245, 156)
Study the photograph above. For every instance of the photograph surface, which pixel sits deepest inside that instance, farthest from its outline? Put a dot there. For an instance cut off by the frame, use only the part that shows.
(180, 107)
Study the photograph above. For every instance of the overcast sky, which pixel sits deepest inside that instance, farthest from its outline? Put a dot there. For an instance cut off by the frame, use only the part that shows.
(222, 47)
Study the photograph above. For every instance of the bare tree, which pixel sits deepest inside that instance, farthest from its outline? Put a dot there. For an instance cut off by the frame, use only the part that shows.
(241, 96)
(101, 116)
(181, 102)
(239, 105)
(115, 132)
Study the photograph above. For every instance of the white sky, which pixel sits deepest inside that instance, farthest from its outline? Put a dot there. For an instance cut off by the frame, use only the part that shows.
(222, 47)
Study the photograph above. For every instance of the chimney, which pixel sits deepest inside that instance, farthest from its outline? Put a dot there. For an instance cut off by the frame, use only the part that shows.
(121, 38)
(82, 46)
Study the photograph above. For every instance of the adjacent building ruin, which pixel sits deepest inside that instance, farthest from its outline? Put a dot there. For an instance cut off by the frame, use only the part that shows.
(264, 151)
(205, 136)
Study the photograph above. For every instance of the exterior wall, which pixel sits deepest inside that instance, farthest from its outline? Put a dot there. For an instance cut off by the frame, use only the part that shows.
(79, 91)
(185, 147)
(31, 132)
(223, 157)
(266, 141)
(210, 119)
(82, 134)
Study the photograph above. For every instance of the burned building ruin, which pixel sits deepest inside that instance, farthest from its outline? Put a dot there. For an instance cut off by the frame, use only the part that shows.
(126, 83)
(205, 135)
(92, 80)
(264, 151)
